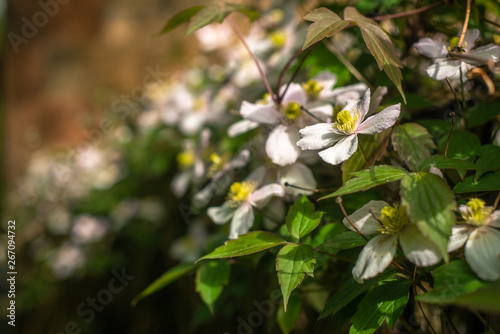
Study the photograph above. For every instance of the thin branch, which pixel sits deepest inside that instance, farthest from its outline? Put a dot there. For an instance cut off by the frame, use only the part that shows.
(449, 134)
(464, 28)
(333, 49)
(408, 13)
(311, 114)
(242, 39)
(422, 310)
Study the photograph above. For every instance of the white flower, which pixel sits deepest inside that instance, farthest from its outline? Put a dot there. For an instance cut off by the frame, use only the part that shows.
(241, 199)
(393, 224)
(296, 179)
(481, 238)
(342, 135)
(446, 67)
(88, 228)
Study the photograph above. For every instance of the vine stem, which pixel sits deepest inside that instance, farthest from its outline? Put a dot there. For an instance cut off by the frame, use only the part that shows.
(242, 39)
(408, 13)
(449, 134)
(466, 23)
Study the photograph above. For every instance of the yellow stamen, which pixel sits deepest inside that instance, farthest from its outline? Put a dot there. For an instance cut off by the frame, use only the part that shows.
(292, 111)
(476, 212)
(218, 163)
(312, 89)
(393, 219)
(239, 192)
(278, 39)
(346, 123)
(185, 159)
(264, 100)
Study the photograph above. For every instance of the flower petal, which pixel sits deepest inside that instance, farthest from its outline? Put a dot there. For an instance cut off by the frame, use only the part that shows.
(297, 175)
(261, 197)
(326, 79)
(221, 214)
(281, 145)
(375, 257)
(495, 219)
(482, 252)
(486, 52)
(260, 113)
(431, 48)
(470, 38)
(459, 235)
(323, 112)
(242, 221)
(363, 218)
(180, 183)
(240, 127)
(381, 121)
(340, 96)
(376, 98)
(444, 69)
(418, 248)
(364, 105)
(317, 136)
(294, 93)
(341, 151)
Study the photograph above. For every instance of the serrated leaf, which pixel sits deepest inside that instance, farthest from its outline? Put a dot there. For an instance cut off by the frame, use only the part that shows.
(287, 320)
(386, 301)
(249, 243)
(301, 218)
(349, 291)
(210, 279)
(182, 17)
(292, 264)
(456, 283)
(430, 203)
(488, 182)
(204, 17)
(326, 24)
(380, 46)
(489, 159)
(165, 279)
(374, 148)
(412, 142)
(442, 162)
(369, 178)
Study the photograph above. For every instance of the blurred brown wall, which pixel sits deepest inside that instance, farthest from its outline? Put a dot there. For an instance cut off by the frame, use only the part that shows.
(65, 61)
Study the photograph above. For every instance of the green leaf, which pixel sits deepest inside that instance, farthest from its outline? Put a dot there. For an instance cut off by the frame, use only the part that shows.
(249, 243)
(369, 178)
(412, 142)
(456, 283)
(386, 301)
(345, 240)
(206, 16)
(301, 218)
(180, 18)
(431, 204)
(488, 182)
(349, 291)
(374, 148)
(165, 279)
(442, 162)
(463, 145)
(326, 24)
(210, 279)
(380, 46)
(287, 320)
(292, 264)
(483, 113)
(489, 159)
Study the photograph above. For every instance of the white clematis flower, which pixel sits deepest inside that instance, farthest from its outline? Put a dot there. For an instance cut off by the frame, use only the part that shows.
(447, 67)
(241, 199)
(393, 224)
(342, 135)
(481, 238)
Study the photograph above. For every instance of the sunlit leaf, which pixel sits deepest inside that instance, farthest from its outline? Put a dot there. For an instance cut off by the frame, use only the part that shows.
(292, 264)
(326, 24)
(369, 178)
(249, 243)
(210, 279)
(442, 162)
(301, 218)
(180, 18)
(488, 182)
